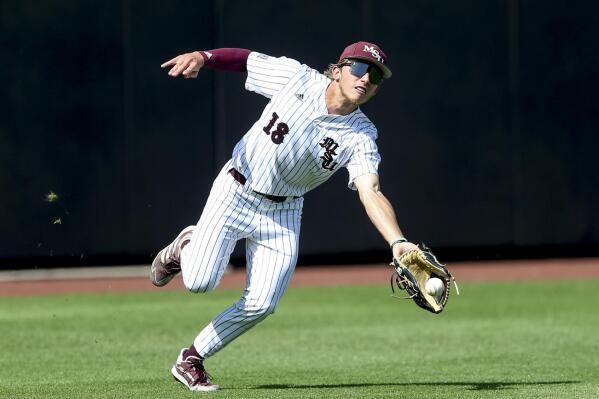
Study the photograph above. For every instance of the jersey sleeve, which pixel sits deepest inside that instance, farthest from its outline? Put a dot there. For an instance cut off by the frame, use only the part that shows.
(267, 75)
(365, 159)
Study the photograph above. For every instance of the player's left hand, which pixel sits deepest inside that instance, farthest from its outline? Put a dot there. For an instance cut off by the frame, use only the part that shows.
(402, 248)
(188, 65)
(414, 270)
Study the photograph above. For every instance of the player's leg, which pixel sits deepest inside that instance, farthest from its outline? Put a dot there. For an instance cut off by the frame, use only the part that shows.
(167, 263)
(271, 255)
(202, 252)
(224, 220)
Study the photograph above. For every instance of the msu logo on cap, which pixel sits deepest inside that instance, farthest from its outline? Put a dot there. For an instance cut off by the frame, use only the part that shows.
(369, 52)
(375, 53)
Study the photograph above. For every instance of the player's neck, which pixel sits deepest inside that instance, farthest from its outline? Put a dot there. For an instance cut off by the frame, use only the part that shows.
(337, 103)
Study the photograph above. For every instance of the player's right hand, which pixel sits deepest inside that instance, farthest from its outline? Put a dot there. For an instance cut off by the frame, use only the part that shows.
(188, 65)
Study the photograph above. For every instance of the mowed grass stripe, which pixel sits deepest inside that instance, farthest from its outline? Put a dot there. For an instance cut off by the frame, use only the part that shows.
(496, 340)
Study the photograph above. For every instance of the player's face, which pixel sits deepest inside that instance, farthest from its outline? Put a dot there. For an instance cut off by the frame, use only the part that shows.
(359, 81)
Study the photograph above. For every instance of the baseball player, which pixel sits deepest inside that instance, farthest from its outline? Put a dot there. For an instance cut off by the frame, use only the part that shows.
(311, 128)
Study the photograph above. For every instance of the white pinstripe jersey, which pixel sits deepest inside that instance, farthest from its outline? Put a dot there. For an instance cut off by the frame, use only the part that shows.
(296, 144)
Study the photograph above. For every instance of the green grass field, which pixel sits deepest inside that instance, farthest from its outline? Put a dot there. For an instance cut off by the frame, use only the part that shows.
(496, 340)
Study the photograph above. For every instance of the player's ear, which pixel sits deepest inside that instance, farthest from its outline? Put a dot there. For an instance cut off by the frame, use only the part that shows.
(336, 73)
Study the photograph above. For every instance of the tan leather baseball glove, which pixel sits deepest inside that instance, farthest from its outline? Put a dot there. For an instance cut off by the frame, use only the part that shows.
(413, 270)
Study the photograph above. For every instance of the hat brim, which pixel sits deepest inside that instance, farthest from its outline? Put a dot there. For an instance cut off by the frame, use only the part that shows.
(386, 71)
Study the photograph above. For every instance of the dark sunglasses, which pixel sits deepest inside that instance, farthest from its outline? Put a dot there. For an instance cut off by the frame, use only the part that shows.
(360, 68)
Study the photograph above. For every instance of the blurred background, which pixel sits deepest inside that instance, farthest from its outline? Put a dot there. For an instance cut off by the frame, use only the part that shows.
(488, 129)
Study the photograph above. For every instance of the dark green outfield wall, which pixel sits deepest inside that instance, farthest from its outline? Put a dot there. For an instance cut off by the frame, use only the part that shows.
(488, 130)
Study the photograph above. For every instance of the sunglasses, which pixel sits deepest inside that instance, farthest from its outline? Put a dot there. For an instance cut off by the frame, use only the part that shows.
(360, 68)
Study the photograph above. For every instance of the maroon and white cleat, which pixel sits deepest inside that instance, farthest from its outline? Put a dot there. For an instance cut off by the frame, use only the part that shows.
(167, 263)
(191, 373)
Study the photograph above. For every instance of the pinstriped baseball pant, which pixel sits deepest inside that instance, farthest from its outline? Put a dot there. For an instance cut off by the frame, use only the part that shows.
(271, 230)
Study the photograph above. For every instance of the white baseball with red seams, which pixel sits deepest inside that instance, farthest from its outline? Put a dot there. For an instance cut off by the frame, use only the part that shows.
(295, 146)
(434, 286)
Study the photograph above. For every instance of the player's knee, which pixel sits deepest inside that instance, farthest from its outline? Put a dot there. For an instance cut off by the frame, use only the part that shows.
(258, 310)
(199, 286)
(266, 311)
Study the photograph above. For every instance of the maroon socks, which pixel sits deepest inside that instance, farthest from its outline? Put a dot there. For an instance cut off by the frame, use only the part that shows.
(191, 351)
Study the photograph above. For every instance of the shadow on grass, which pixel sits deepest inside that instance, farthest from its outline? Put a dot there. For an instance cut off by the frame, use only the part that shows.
(470, 385)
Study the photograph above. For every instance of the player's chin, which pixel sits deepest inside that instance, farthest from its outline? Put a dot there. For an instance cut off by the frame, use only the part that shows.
(363, 99)
(357, 99)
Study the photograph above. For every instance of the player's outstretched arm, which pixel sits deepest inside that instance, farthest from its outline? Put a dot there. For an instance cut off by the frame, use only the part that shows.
(224, 59)
(381, 213)
(188, 65)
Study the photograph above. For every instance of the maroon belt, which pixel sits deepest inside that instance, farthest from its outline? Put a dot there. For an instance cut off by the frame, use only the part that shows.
(241, 179)
(237, 176)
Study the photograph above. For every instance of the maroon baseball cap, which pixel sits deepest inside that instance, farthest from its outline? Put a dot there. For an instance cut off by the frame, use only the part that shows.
(368, 52)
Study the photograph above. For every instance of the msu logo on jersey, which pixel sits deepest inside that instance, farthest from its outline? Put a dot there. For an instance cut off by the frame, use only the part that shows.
(329, 146)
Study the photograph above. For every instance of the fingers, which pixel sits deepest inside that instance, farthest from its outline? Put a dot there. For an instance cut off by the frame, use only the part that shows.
(185, 64)
(175, 70)
(180, 66)
(172, 61)
(192, 70)
(176, 64)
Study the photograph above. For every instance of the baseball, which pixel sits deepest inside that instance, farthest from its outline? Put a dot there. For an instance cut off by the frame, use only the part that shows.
(434, 286)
